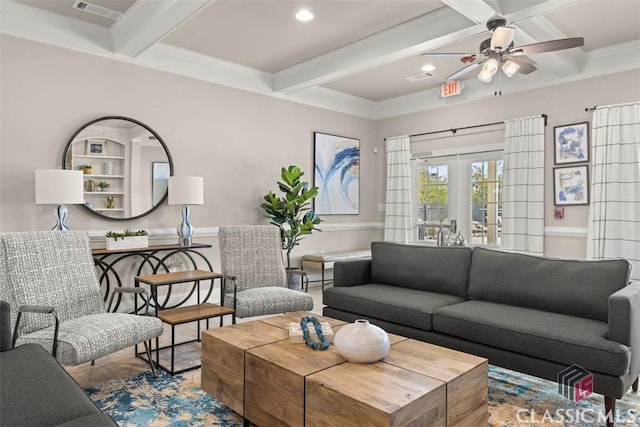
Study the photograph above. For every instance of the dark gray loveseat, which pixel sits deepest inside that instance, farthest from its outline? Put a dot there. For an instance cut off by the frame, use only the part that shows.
(530, 314)
(36, 391)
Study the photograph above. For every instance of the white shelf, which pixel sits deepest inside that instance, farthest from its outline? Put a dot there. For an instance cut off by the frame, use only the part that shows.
(109, 210)
(84, 156)
(91, 175)
(99, 193)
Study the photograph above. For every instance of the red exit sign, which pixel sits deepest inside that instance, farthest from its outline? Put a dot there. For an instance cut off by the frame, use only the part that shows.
(450, 88)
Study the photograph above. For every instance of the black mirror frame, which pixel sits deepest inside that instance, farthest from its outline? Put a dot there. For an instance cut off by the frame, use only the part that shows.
(139, 123)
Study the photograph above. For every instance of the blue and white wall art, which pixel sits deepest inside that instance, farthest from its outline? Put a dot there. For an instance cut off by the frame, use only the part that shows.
(337, 174)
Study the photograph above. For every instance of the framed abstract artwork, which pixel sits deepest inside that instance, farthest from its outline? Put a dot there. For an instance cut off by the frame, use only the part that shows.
(571, 185)
(336, 174)
(571, 143)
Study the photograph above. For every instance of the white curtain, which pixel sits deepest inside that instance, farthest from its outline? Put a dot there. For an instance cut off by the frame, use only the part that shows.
(397, 221)
(614, 217)
(523, 186)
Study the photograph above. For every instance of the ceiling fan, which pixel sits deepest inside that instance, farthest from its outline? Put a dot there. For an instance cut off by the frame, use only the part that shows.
(499, 52)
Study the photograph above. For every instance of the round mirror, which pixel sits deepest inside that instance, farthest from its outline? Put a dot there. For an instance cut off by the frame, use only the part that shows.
(126, 167)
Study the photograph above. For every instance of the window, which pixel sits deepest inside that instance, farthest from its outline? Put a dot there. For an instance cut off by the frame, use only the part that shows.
(486, 202)
(433, 199)
(463, 186)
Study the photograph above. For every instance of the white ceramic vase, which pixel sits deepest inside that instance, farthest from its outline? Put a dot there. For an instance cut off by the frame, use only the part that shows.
(362, 342)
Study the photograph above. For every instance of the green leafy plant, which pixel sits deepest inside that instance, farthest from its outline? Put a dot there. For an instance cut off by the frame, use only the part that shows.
(291, 212)
(103, 185)
(126, 233)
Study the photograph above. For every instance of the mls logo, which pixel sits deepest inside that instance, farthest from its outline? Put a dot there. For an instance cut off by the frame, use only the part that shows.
(575, 383)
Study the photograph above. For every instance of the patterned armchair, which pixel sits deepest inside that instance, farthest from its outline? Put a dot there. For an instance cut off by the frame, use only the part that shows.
(49, 279)
(255, 280)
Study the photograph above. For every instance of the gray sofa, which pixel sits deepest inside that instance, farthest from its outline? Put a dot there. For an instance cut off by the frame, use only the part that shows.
(530, 314)
(36, 391)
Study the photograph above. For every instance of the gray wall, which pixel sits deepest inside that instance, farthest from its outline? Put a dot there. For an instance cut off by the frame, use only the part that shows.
(238, 141)
(563, 104)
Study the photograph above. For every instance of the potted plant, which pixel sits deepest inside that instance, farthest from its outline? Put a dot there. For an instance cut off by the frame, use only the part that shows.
(103, 185)
(291, 212)
(128, 239)
(87, 169)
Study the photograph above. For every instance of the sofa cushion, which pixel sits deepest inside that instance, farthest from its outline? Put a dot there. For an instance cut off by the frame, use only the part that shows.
(37, 391)
(404, 306)
(428, 268)
(579, 288)
(557, 337)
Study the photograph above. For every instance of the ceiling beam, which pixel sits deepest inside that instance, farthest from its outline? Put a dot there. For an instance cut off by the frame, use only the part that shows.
(148, 21)
(440, 28)
(413, 37)
(477, 11)
(562, 63)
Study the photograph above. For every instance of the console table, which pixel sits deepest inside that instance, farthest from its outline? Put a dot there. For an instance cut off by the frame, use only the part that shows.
(154, 259)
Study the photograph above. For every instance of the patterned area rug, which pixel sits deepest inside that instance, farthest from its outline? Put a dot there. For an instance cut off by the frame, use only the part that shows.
(515, 399)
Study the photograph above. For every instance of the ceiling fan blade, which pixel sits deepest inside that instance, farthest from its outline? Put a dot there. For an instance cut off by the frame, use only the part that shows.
(548, 46)
(502, 38)
(465, 70)
(526, 67)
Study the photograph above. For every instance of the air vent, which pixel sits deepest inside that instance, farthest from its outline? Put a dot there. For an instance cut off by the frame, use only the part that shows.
(419, 76)
(97, 10)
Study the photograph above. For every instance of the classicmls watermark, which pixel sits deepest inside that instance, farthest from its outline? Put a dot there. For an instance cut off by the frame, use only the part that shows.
(575, 383)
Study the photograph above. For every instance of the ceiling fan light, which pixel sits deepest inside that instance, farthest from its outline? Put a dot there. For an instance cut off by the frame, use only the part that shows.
(485, 75)
(510, 68)
(491, 66)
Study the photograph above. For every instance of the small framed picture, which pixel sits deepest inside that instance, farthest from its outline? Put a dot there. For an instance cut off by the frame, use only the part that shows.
(571, 143)
(96, 147)
(571, 185)
(558, 212)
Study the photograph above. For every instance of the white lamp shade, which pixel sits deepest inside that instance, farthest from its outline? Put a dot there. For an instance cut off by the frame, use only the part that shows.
(186, 190)
(59, 186)
(510, 68)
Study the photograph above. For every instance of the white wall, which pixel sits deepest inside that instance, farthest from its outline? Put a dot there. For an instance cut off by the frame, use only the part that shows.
(236, 140)
(562, 104)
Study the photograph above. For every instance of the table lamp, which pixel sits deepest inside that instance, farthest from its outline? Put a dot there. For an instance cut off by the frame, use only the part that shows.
(59, 186)
(186, 190)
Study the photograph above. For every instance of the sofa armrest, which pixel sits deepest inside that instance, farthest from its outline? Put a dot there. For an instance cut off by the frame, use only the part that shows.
(624, 322)
(352, 273)
(5, 326)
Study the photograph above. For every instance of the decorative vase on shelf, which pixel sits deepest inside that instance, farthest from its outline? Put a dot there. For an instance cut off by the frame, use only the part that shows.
(362, 342)
(107, 168)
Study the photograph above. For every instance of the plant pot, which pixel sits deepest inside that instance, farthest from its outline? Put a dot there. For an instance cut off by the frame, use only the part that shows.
(294, 281)
(128, 242)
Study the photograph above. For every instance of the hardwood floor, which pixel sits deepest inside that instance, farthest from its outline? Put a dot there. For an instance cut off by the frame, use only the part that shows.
(124, 364)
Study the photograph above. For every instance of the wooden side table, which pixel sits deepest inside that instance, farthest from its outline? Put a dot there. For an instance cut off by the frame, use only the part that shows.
(203, 310)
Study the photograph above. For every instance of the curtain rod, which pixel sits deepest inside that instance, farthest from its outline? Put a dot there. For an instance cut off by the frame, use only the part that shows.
(454, 130)
(591, 108)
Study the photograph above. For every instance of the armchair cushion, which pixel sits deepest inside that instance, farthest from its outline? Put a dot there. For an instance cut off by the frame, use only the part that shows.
(270, 300)
(90, 337)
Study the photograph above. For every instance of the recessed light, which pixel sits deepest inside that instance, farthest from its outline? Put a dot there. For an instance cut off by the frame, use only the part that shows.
(428, 68)
(304, 15)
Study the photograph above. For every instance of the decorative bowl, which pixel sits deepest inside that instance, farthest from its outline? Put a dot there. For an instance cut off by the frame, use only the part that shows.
(361, 342)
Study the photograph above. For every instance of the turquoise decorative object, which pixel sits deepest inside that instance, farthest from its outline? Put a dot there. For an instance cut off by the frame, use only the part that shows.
(322, 343)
